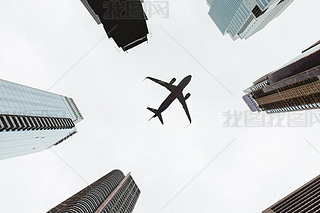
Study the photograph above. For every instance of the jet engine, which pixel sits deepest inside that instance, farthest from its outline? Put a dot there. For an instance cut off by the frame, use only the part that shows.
(187, 96)
(172, 81)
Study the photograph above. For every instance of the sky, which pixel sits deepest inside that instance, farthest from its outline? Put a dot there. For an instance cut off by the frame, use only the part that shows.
(212, 165)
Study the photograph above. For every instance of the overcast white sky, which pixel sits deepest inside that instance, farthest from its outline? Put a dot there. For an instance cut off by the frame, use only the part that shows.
(41, 40)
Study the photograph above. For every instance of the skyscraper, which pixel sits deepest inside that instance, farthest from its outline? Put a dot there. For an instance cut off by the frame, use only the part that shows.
(32, 120)
(113, 193)
(123, 20)
(295, 86)
(305, 199)
(243, 18)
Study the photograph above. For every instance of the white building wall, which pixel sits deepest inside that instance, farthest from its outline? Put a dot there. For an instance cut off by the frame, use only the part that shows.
(17, 143)
(241, 24)
(273, 12)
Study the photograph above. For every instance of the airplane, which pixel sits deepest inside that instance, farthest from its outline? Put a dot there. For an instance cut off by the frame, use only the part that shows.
(176, 93)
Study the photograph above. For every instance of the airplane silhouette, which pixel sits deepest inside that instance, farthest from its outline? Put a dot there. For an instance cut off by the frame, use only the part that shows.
(176, 93)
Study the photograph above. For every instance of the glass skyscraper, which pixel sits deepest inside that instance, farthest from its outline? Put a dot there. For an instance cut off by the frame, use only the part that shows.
(243, 18)
(295, 86)
(113, 193)
(32, 120)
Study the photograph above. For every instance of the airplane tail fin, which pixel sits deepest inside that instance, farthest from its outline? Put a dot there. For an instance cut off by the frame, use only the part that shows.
(156, 114)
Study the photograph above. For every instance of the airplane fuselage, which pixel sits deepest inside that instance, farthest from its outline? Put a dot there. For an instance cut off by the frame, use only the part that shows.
(174, 94)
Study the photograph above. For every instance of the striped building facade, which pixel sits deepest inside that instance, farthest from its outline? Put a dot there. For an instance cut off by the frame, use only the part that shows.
(243, 18)
(113, 193)
(32, 120)
(305, 199)
(295, 86)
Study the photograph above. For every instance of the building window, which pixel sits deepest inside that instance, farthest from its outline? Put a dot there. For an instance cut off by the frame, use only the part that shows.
(257, 11)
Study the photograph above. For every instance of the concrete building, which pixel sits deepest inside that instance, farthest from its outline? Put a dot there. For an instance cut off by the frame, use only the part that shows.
(295, 86)
(32, 120)
(304, 199)
(243, 18)
(113, 193)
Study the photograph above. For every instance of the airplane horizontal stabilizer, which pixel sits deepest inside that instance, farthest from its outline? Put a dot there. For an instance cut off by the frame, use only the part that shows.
(156, 114)
(152, 110)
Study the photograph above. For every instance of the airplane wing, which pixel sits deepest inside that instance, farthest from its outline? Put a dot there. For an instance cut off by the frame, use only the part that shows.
(170, 87)
(184, 105)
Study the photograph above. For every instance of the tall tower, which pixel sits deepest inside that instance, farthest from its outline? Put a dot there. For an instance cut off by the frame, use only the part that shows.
(243, 18)
(113, 193)
(295, 86)
(124, 21)
(304, 199)
(32, 120)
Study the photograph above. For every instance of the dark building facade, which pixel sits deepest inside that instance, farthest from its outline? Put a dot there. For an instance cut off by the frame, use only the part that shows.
(295, 86)
(113, 193)
(123, 20)
(305, 199)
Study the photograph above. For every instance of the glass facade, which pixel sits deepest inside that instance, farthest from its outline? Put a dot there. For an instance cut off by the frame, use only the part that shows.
(222, 12)
(32, 120)
(239, 18)
(16, 99)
